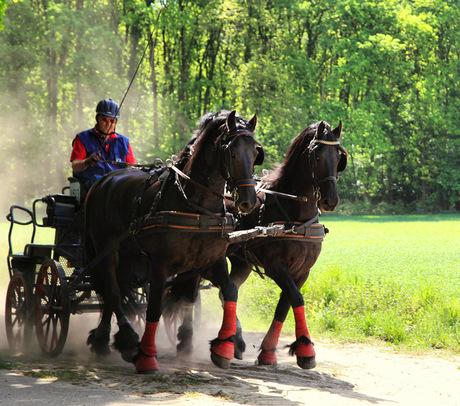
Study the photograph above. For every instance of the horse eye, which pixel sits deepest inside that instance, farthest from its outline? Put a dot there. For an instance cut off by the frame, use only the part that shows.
(233, 155)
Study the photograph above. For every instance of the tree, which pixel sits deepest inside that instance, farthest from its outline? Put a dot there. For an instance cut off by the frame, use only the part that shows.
(388, 69)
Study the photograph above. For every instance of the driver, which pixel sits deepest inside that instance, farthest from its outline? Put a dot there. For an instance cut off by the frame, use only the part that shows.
(96, 151)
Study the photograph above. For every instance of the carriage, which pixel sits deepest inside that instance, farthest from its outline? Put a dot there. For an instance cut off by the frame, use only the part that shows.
(47, 281)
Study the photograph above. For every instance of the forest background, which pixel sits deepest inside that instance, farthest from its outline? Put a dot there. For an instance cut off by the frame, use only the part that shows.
(389, 69)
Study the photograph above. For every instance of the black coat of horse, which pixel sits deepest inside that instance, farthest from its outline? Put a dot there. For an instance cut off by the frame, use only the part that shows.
(291, 196)
(143, 228)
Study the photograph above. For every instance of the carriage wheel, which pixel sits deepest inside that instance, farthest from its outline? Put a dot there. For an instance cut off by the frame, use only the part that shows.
(52, 308)
(19, 312)
(173, 320)
(137, 309)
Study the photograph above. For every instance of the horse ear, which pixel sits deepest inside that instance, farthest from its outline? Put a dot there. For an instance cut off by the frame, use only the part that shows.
(231, 122)
(253, 123)
(337, 131)
(320, 129)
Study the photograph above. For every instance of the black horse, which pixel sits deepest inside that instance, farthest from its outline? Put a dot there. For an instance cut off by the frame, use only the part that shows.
(143, 228)
(288, 203)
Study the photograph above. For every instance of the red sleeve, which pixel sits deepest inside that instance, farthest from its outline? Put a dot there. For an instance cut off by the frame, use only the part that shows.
(130, 158)
(78, 150)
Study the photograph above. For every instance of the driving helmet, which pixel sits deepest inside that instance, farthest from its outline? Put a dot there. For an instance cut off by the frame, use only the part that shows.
(109, 108)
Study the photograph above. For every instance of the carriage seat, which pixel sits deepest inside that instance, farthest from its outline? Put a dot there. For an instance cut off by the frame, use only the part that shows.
(77, 189)
(60, 210)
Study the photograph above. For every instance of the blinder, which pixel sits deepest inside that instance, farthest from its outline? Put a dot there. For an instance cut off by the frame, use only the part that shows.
(260, 155)
(343, 160)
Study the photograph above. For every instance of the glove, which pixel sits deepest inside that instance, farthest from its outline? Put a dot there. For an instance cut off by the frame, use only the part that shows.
(93, 158)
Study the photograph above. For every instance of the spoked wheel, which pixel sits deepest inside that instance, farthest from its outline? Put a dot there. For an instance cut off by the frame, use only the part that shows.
(19, 312)
(52, 308)
(174, 318)
(136, 306)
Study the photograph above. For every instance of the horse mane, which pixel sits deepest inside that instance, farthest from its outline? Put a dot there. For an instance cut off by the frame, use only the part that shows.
(211, 127)
(298, 147)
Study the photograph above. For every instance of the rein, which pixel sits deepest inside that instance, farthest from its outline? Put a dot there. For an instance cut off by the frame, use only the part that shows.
(194, 182)
(317, 196)
(285, 195)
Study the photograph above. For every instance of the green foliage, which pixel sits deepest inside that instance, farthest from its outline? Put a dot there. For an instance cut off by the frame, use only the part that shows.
(389, 70)
(2, 12)
(5, 364)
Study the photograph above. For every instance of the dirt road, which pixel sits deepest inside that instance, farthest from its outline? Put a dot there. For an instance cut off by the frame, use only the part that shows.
(345, 375)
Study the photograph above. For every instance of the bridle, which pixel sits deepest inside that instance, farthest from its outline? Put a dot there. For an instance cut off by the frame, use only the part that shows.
(226, 155)
(312, 165)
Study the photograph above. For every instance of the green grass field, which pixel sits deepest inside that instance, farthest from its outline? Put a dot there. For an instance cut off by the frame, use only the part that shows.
(394, 279)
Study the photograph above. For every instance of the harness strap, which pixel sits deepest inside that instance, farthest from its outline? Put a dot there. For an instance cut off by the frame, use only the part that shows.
(149, 181)
(188, 178)
(189, 222)
(98, 258)
(286, 195)
(193, 205)
(156, 201)
(281, 209)
(245, 183)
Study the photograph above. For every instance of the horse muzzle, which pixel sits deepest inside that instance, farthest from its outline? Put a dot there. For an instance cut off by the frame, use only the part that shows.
(244, 195)
(329, 198)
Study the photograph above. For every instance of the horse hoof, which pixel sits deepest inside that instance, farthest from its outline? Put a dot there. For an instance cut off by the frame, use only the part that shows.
(267, 357)
(99, 346)
(184, 349)
(240, 347)
(306, 362)
(219, 361)
(147, 365)
(148, 372)
(238, 354)
(101, 351)
(129, 356)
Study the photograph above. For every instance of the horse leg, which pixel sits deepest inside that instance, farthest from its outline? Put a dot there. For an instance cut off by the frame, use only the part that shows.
(126, 340)
(239, 273)
(99, 338)
(267, 354)
(303, 346)
(222, 347)
(146, 361)
(106, 283)
(180, 300)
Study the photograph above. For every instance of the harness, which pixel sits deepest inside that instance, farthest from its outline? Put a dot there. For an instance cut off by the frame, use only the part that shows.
(309, 231)
(201, 220)
(312, 159)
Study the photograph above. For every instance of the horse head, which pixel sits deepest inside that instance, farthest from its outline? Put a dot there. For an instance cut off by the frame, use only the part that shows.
(240, 152)
(326, 158)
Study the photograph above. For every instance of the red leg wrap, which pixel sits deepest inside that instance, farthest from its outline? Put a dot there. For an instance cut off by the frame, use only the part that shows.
(225, 349)
(269, 344)
(147, 359)
(301, 329)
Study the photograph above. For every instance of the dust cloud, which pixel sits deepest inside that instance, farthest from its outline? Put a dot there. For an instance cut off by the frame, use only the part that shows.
(80, 325)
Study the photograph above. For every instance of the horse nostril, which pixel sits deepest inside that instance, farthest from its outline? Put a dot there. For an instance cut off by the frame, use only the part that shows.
(329, 205)
(244, 207)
